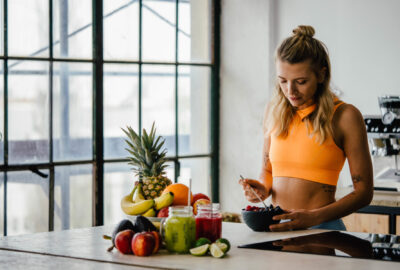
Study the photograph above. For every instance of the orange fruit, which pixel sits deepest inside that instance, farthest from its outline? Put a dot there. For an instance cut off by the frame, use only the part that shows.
(199, 201)
(180, 193)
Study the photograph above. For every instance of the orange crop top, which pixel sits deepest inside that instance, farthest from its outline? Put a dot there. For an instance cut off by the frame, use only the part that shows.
(301, 156)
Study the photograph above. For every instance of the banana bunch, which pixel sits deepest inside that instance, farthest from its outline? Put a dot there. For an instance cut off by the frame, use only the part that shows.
(135, 203)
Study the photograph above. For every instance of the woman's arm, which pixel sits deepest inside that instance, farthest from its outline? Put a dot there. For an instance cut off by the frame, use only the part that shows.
(350, 125)
(266, 168)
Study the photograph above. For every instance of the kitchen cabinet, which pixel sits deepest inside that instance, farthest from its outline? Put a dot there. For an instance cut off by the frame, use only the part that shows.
(398, 225)
(381, 216)
(371, 223)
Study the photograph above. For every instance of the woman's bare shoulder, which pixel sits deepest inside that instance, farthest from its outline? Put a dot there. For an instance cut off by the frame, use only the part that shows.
(348, 117)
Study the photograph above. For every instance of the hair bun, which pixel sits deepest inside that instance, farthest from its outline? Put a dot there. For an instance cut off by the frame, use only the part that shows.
(304, 30)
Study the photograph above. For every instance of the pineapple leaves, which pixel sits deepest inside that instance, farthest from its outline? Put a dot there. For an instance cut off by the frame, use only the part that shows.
(146, 154)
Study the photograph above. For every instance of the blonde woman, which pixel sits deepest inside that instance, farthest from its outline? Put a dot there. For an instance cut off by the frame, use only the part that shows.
(308, 134)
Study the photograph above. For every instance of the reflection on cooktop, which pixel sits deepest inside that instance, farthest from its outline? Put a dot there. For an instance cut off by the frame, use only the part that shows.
(335, 243)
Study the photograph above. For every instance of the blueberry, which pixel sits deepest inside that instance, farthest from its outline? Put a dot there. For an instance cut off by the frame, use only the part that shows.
(277, 211)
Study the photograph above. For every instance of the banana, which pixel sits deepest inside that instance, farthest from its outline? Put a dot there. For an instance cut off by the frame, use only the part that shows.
(149, 213)
(131, 208)
(138, 195)
(164, 200)
(132, 192)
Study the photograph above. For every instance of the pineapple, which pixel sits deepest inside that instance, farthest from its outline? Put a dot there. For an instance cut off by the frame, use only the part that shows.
(148, 161)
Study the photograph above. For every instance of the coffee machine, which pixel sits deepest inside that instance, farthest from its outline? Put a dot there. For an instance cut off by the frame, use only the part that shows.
(384, 139)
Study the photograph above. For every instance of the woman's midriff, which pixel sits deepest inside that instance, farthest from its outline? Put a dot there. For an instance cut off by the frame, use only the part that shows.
(295, 193)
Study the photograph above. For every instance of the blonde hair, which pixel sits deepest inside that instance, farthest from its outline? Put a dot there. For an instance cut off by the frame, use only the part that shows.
(300, 47)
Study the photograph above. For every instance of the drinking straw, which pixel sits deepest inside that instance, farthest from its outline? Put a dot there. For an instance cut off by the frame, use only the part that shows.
(190, 187)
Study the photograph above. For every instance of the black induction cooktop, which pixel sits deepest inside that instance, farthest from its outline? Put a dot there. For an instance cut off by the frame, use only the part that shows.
(336, 243)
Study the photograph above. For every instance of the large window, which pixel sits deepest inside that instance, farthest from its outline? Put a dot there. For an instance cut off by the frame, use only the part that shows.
(72, 74)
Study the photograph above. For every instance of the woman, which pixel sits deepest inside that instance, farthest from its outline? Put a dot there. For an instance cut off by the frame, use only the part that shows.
(308, 134)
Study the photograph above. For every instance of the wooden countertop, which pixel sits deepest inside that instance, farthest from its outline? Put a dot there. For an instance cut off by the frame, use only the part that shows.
(87, 249)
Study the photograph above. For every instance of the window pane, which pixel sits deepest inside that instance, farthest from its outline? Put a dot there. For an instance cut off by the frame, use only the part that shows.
(2, 203)
(194, 109)
(28, 28)
(158, 30)
(27, 203)
(1, 27)
(72, 109)
(121, 29)
(198, 169)
(158, 95)
(72, 28)
(194, 34)
(121, 107)
(28, 115)
(118, 182)
(73, 197)
(1, 113)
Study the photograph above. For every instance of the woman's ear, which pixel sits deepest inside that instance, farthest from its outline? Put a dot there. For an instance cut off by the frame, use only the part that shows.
(321, 75)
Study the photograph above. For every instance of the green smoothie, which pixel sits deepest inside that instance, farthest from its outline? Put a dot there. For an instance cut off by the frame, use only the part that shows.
(179, 233)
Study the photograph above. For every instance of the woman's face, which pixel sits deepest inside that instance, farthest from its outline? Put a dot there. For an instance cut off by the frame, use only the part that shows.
(298, 82)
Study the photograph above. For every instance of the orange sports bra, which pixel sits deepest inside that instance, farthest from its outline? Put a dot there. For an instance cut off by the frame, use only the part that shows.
(301, 156)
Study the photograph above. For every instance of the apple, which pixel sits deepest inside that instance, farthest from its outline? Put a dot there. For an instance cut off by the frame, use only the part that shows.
(123, 241)
(143, 243)
(163, 212)
(199, 196)
(157, 241)
(198, 202)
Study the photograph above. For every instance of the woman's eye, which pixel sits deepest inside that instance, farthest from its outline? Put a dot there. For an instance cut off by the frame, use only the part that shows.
(301, 82)
(282, 81)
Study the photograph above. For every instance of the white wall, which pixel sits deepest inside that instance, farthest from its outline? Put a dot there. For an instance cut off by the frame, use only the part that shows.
(244, 91)
(363, 39)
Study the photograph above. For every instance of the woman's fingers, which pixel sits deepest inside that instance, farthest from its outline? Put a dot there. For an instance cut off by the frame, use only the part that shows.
(250, 187)
(284, 226)
(250, 196)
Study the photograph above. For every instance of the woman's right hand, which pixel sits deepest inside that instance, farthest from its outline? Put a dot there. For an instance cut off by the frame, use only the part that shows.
(259, 188)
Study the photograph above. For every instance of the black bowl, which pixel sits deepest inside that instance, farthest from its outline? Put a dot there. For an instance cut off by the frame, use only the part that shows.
(259, 221)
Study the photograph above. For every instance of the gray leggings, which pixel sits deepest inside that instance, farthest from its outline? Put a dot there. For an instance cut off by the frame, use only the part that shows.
(336, 224)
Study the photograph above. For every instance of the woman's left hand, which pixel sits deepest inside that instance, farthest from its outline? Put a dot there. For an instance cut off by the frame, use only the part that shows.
(298, 219)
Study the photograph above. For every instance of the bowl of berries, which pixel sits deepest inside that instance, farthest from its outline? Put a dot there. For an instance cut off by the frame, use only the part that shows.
(259, 218)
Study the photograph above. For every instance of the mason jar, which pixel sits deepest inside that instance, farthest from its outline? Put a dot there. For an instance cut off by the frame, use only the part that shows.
(209, 221)
(179, 229)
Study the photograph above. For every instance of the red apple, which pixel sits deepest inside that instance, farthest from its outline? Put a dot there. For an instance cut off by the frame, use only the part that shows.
(143, 243)
(199, 196)
(157, 241)
(163, 212)
(123, 241)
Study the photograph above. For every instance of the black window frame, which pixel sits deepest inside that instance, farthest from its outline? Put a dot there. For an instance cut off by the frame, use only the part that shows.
(98, 62)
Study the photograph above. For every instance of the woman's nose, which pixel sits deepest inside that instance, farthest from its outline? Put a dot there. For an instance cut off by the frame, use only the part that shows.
(291, 88)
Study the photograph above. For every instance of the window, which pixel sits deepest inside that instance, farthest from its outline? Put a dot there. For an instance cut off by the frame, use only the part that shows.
(72, 74)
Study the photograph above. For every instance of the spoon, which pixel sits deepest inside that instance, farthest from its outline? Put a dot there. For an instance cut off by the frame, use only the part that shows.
(258, 197)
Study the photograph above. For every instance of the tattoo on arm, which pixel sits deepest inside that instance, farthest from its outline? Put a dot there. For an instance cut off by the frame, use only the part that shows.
(329, 188)
(356, 178)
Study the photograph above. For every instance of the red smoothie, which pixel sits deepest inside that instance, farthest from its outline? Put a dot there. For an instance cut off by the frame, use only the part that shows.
(209, 227)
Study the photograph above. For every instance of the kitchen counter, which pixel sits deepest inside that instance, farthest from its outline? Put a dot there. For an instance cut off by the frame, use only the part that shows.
(87, 249)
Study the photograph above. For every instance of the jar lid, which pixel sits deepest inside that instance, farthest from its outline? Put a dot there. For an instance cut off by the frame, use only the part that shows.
(180, 210)
(209, 207)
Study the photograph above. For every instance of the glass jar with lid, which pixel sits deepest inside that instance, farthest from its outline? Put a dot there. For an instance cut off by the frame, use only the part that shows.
(209, 221)
(179, 229)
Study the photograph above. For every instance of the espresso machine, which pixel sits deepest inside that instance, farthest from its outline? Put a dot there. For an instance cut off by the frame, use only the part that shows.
(384, 139)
